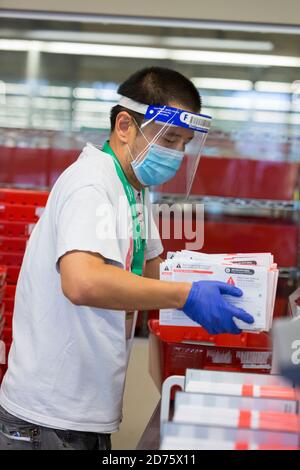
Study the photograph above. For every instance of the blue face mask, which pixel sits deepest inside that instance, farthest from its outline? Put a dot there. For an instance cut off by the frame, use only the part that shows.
(158, 166)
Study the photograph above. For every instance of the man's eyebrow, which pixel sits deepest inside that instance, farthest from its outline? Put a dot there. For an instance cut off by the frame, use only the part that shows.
(173, 134)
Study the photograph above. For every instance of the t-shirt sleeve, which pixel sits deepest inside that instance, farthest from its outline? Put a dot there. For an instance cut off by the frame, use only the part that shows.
(87, 222)
(154, 246)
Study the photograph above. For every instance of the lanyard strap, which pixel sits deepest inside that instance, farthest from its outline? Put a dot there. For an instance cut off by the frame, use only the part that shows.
(139, 242)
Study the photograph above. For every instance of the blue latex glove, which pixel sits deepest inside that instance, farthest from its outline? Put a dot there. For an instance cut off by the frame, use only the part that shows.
(206, 306)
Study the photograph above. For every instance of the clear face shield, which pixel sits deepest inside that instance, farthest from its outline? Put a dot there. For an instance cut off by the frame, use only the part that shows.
(167, 151)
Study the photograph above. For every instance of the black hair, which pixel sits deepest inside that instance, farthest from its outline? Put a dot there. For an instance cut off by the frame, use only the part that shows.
(157, 86)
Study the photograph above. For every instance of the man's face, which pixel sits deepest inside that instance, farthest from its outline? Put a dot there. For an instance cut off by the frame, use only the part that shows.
(168, 136)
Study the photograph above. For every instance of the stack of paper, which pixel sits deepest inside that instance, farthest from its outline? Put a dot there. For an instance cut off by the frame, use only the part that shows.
(249, 413)
(255, 274)
(232, 410)
(180, 436)
(240, 385)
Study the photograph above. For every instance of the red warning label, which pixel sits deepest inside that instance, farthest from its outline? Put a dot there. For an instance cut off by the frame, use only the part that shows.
(231, 281)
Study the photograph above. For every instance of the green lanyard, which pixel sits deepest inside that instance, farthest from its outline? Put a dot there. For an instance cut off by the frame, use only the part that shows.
(139, 243)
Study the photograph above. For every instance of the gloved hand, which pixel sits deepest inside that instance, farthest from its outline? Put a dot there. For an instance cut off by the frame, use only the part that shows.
(206, 306)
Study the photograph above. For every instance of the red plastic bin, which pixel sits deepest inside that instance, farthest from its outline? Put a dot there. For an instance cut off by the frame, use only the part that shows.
(13, 274)
(23, 196)
(7, 335)
(3, 275)
(15, 229)
(10, 291)
(9, 305)
(2, 325)
(180, 348)
(8, 316)
(14, 244)
(2, 318)
(20, 213)
(2, 293)
(11, 259)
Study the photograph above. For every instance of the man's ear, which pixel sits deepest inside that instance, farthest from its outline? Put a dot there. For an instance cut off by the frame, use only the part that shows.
(124, 127)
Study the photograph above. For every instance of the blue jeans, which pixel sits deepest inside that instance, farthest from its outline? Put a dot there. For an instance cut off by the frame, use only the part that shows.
(16, 434)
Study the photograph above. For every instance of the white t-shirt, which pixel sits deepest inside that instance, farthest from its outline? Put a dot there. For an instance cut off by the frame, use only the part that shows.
(67, 363)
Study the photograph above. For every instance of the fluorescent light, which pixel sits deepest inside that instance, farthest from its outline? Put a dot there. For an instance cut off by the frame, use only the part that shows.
(229, 101)
(84, 93)
(272, 105)
(2, 92)
(93, 106)
(273, 87)
(182, 55)
(51, 103)
(17, 101)
(211, 43)
(77, 48)
(222, 83)
(248, 102)
(278, 87)
(233, 58)
(276, 118)
(229, 115)
(55, 91)
(19, 45)
(16, 89)
(147, 40)
(92, 37)
(105, 50)
(94, 93)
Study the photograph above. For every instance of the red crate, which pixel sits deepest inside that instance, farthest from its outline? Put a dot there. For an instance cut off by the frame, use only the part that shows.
(2, 325)
(9, 305)
(24, 165)
(180, 348)
(20, 213)
(2, 293)
(15, 229)
(3, 275)
(8, 317)
(11, 259)
(15, 244)
(23, 196)
(7, 335)
(2, 318)
(13, 274)
(10, 291)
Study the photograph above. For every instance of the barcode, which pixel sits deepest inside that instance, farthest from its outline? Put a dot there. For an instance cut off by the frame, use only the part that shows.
(199, 122)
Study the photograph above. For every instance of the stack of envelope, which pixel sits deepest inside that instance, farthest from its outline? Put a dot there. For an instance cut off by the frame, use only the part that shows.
(255, 274)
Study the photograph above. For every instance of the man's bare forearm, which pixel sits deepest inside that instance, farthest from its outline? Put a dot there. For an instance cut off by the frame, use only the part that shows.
(115, 288)
(87, 280)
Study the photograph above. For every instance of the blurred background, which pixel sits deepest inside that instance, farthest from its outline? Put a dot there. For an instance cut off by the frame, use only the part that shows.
(60, 67)
(63, 76)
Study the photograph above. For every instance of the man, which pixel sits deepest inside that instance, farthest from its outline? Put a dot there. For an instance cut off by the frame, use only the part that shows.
(83, 275)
